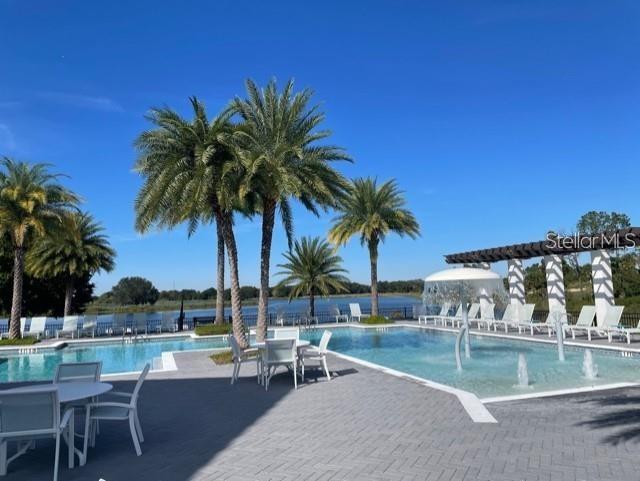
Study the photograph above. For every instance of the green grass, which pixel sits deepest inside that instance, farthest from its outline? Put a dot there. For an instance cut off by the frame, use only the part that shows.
(376, 320)
(213, 329)
(25, 341)
(224, 357)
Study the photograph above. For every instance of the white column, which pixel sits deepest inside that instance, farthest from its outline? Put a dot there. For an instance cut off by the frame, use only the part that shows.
(555, 283)
(515, 276)
(484, 297)
(602, 282)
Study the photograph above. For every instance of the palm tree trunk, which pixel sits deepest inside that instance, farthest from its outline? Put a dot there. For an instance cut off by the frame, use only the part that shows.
(268, 221)
(220, 277)
(373, 258)
(68, 297)
(312, 304)
(236, 302)
(16, 301)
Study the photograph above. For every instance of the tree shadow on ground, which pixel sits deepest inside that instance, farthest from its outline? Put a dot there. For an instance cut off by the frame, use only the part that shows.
(618, 412)
(186, 423)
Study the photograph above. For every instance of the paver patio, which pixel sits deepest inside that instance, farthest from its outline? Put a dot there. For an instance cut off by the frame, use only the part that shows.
(363, 425)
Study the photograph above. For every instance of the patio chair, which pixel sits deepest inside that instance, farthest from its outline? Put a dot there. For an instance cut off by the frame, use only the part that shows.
(318, 355)
(356, 313)
(445, 319)
(78, 372)
(287, 333)
(335, 313)
(27, 416)
(116, 411)
(69, 327)
(509, 317)
(280, 318)
(240, 356)
(472, 314)
(168, 322)
(89, 325)
(584, 322)
(277, 353)
(37, 327)
(140, 323)
(119, 324)
(549, 324)
(444, 311)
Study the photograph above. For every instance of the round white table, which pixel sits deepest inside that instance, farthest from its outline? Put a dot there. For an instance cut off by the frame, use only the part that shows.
(72, 391)
(69, 392)
(299, 343)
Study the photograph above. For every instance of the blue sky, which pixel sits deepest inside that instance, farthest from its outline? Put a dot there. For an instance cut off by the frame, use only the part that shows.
(499, 119)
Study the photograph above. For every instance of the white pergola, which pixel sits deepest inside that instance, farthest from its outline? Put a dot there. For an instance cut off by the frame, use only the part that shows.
(552, 250)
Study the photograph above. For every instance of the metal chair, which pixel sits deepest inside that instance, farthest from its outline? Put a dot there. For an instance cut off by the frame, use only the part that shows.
(279, 352)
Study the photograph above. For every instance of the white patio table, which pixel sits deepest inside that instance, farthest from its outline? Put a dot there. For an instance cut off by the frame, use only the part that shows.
(69, 392)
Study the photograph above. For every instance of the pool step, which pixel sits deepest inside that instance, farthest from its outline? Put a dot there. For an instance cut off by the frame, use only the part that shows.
(157, 363)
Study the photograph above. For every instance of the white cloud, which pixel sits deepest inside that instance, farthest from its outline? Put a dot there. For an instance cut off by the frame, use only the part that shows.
(83, 101)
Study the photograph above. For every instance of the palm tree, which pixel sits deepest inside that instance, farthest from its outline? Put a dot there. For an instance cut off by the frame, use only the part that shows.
(373, 212)
(183, 164)
(75, 249)
(32, 202)
(312, 268)
(280, 159)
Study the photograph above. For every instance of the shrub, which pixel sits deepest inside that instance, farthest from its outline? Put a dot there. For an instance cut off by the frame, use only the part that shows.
(224, 357)
(213, 329)
(376, 320)
(25, 341)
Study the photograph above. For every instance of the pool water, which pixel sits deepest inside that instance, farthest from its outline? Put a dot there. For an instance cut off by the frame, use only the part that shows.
(493, 367)
(115, 356)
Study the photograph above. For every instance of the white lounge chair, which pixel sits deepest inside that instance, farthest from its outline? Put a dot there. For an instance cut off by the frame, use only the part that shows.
(69, 327)
(509, 317)
(487, 316)
(625, 332)
(444, 311)
(548, 325)
(356, 313)
(472, 314)
(277, 353)
(610, 322)
(89, 325)
(335, 313)
(140, 323)
(584, 322)
(318, 355)
(446, 318)
(240, 356)
(37, 327)
(26, 416)
(118, 324)
(116, 411)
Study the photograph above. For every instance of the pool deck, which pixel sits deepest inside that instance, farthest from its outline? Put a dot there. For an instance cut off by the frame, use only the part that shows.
(363, 425)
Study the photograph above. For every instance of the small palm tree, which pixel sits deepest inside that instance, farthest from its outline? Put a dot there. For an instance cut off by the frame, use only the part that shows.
(373, 212)
(73, 250)
(32, 203)
(280, 159)
(312, 268)
(182, 163)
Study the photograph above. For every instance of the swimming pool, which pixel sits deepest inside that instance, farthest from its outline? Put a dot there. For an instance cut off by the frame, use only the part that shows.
(115, 356)
(493, 368)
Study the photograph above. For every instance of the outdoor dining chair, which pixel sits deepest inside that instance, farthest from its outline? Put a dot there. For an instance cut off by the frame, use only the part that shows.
(287, 333)
(116, 411)
(78, 372)
(277, 353)
(318, 355)
(27, 416)
(241, 356)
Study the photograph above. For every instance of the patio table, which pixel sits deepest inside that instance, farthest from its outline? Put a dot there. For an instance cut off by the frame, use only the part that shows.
(69, 392)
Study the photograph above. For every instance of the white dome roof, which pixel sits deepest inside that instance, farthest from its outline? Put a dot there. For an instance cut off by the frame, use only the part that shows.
(463, 274)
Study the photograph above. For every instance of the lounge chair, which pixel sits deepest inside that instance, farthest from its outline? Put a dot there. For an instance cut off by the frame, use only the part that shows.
(318, 355)
(356, 313)
(549, 324)
(119, 324)
(140, 323)
(277, 353)
(445, 319)
(37, 327)
(26, 416)
(611, 322)
(444, 311)
(624, 332)
(280, 317)
(584, 322)
(509, 317)
(487, 316)
(117, 411)
(168, 322)
(69, 327)
(89, 325)
(335, 313)
(471, 314)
